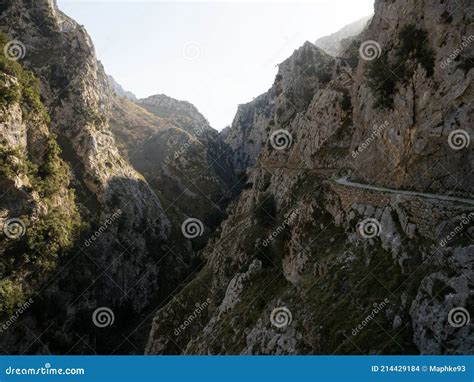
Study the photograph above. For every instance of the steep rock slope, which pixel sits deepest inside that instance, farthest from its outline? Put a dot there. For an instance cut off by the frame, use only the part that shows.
(122, 263)
(308, 264)
(216, 153)
(183, 159)
(297, 80)
(334, 44)
(119, 90)
(39, 215)
(423, 100)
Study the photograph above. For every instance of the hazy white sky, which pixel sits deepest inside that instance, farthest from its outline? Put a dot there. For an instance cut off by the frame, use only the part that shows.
(214, 54)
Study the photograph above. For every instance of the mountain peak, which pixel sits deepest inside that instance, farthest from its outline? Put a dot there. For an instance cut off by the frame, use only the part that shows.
(333, 43)
(162, 104)
(119, 90)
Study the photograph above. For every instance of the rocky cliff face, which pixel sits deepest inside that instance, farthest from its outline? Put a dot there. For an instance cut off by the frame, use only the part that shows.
(298, 78)
(352, 233)
(217, 157)
(62, 167)
(336, 43)
(313, 262)
(119, 90)
(427, 99)
(39, 214)
(183, 159)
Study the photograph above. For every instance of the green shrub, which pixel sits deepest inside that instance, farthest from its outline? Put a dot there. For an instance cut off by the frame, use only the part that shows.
(12, 163)
(279, 111)
(353, 54)
(324, 76)
(8, 94)
(11, 294)
(53, 173)
(382, 75)
(381, 80)
(346, 103)
(242, 177)
(265, 211)
(26, 92)
(414, 47)
(52, 232)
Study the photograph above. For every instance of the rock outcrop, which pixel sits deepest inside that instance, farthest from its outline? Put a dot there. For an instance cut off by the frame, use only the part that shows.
(297, 81)
(336, 43)
(97, 237)
(345, 269)
(334, 216)
(119, 90)
(184, 160)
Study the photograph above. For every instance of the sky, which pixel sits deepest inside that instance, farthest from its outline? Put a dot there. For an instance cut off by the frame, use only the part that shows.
(215, 54)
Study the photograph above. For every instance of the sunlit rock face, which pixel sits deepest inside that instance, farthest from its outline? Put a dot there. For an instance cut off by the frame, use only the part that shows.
(357, 202)
(115, 245)
(334, 216)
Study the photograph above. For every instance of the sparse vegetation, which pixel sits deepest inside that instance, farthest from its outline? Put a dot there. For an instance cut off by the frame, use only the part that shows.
(346, 103)
(353, 54)
(25, 91)
(265, 211)
(382, 81)
(383, 73)
(414, 49)
(10, 294)
(51, 232)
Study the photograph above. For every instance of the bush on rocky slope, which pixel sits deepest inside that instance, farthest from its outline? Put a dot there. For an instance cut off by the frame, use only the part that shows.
(385, 72)
(53, 220)
(26, 91)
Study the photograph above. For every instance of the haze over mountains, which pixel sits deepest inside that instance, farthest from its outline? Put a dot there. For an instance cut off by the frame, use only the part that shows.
(334, 215)
(211, 58)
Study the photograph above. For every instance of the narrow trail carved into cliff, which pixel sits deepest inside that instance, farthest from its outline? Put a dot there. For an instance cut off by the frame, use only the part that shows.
(345, 182)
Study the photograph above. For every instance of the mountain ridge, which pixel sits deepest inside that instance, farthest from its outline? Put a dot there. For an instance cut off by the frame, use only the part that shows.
(247, 241)
(345, 250)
